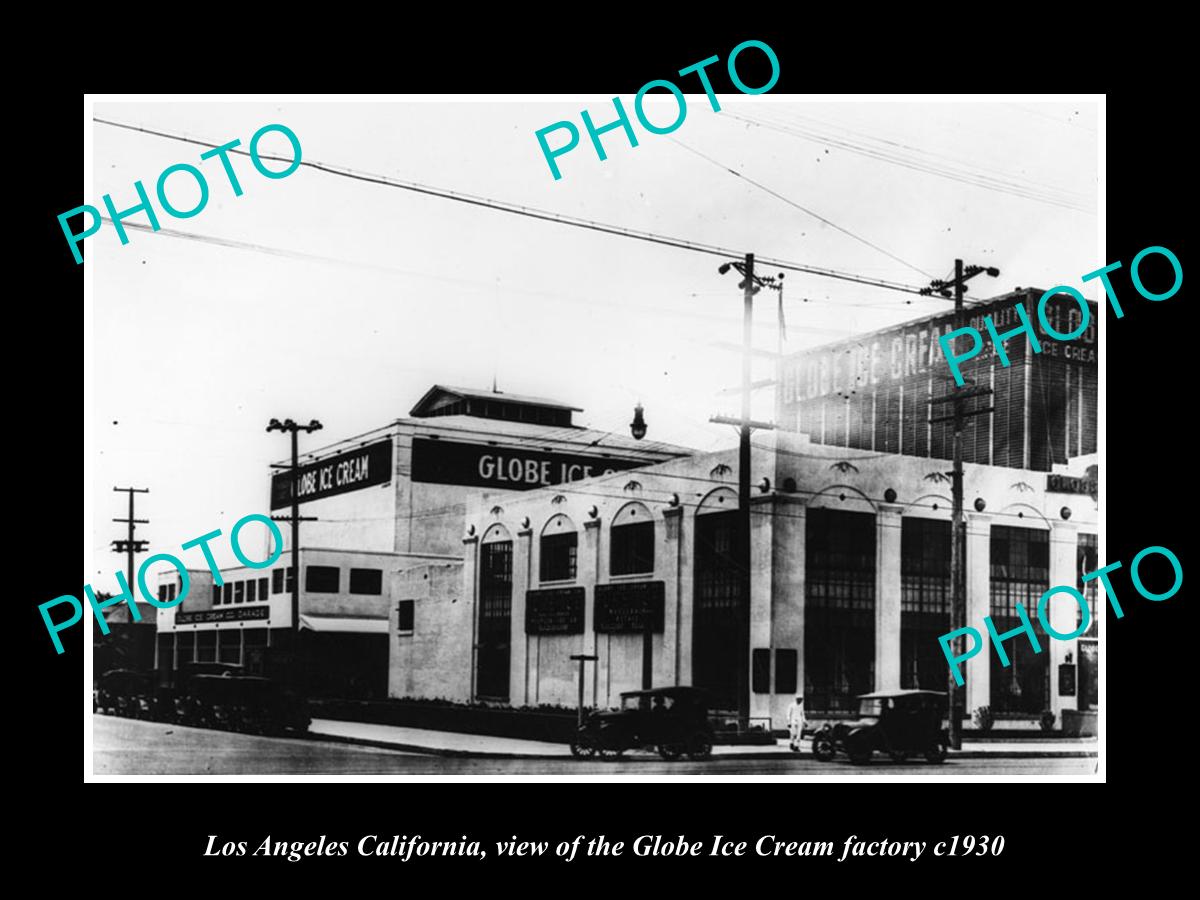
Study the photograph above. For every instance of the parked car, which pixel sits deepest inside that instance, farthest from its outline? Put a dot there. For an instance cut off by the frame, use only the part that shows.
(899, 723)
(672, 720)
(127, 692)
(241, 703)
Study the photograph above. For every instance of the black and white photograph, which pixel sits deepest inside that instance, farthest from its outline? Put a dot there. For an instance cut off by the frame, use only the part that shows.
(700, 433)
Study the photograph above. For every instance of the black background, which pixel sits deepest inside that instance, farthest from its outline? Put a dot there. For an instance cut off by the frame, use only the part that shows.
(1059, 837)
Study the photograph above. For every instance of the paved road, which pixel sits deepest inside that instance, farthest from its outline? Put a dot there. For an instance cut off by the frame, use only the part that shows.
(130, 747)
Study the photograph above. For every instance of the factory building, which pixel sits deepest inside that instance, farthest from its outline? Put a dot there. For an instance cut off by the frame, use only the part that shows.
(382, 501)
(849, 549)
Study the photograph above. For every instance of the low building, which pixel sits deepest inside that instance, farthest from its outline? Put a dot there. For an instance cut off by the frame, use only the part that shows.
(381, 502)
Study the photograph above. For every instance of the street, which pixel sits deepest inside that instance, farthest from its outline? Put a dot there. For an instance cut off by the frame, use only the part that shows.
(132, 747)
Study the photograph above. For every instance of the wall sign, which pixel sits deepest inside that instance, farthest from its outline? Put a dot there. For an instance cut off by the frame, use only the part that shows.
(894, 354)
(1070, 484)
(510, 468)
(349, 471)
(1066, 679)
(624, 608)
(237, 614)
(554, 611)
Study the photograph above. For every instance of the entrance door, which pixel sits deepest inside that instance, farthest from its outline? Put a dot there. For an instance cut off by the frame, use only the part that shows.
(1089, 674)
(717, 652)
(495, 619)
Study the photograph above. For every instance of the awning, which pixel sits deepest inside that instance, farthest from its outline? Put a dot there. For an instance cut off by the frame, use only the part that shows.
(338, 624)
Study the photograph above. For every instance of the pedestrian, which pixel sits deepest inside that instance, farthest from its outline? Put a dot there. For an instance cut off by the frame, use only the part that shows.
(795, 722)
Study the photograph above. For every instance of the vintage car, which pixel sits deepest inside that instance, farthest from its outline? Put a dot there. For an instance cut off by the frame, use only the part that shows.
(672, 720)
(126, 692)
(899, 723)
(241, 703)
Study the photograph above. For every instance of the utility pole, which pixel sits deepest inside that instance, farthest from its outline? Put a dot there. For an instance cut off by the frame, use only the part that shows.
(131, 546)
(743, 654)
(750, 285)
(295, 518)
(958, 528)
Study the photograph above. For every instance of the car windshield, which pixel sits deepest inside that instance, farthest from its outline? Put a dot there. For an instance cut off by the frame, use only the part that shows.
(869, 708)
(644, 702)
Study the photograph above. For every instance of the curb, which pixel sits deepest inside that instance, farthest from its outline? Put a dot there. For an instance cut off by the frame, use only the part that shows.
(483, 754)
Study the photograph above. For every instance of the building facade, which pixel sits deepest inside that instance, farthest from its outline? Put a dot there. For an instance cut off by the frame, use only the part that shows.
(382, 502)
(850, 562)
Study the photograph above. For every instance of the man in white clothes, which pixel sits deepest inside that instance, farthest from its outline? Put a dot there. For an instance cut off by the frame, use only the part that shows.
(795, 722)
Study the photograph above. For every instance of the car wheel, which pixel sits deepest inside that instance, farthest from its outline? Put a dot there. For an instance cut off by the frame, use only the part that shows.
(937, 753)
(822, 747)
(582, 748)
(700, 747)
(898, 756)
(670, 751)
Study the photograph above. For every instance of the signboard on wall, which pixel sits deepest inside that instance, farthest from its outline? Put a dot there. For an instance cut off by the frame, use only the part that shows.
(359, 468)
(1066, 680)
(509, 468)
(895, 354)
(624, 608)
(237, 614)
(554, 611)
(1070, 484)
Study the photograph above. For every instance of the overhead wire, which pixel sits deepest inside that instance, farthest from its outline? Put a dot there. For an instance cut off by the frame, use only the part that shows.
(983, 181)
(535, 213)
(802, 208)
(959, 161)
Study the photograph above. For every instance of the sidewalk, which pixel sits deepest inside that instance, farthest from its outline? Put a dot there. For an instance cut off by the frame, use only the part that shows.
(448, 743)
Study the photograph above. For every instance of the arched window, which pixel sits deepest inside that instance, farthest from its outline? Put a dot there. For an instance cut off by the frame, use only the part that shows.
(560, 545)
(632, 541)
(495, 613)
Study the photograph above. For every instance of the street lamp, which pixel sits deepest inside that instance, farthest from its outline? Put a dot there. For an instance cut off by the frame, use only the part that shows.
(638, 426)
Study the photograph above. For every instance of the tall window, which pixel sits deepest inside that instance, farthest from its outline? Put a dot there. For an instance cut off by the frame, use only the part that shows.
(495, 618)
(1089, 645)
(185, 648)
(1020, 574)
(227, 592)
(924, 602)
(558, 556)
(717, 652)
(239, 592)
(839, 641)
(206, 646)
(229, 648)
(404, 616)
(632, 548)
(1088, 562)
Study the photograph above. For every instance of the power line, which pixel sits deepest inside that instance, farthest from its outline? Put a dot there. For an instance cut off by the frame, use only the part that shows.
(543, 215)
(977, 180)
(1031, 190)
(232, 244)
(950, 159)
(804, 209)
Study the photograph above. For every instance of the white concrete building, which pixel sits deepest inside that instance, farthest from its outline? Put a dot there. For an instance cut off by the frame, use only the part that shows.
(383, 501)
(850, 584)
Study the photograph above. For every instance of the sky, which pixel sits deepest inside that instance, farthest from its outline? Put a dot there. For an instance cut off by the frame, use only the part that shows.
(346, 300)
